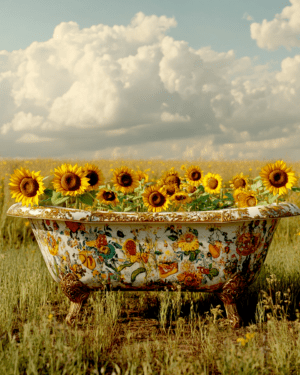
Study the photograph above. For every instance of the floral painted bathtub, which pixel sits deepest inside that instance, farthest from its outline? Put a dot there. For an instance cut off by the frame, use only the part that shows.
(213, 251)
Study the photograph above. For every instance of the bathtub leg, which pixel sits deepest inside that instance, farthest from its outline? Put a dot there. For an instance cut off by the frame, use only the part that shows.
(77, 293)
(231, 291)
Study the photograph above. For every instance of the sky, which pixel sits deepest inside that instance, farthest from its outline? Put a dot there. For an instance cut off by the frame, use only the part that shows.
(200, 79)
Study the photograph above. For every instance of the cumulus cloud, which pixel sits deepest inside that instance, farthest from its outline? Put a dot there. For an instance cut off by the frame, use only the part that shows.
(132, 91)
(283, 30)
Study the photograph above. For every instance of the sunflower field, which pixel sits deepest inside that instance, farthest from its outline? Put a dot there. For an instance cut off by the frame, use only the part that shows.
(147, 332)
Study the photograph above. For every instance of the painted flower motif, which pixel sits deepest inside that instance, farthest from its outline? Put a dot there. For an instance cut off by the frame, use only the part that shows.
(188, 242)
(87, 259)
(98, 242)
(247, 243)
(190, 278)
(52, 244)
(129, 247)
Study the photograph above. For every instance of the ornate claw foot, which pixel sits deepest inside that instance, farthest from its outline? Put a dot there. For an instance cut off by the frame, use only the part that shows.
(231, 291)
(77, 292)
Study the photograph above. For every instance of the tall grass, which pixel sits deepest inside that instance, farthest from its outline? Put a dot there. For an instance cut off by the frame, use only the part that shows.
(145, 332)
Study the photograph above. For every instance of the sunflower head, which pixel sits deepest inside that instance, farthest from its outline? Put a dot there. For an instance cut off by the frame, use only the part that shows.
(194, 175)
(247, 199)
(180, 198)
(107, 197)
(171, 177)
(170, 189)
(239, 181)
(95, 176)
(70, 180)
(155, 199)
(212, 183)
(125, 180)
(142, 175)
(26, 186)
(277, 177)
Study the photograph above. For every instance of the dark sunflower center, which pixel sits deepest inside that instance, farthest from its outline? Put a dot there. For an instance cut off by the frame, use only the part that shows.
(109, 195)
(180, 197)
(191, 189)
(170, 189)
(29, 187)
(239, 183)
(173, 180)
(93, 177)
(70, 181)
(195, 175)
(212, 183)
(251, 201)
(156, 199)
(124, 179)
(278, 178)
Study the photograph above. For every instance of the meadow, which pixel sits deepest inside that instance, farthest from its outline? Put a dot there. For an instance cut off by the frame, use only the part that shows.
(145, 332)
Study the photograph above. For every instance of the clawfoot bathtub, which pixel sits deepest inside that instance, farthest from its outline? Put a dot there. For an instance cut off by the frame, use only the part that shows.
(208, 251)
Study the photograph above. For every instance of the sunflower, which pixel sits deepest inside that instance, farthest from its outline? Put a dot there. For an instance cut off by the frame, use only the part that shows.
(239, 194)
(181, 197)
(169, 189)
(125, 180)
(142, 175)
(239, 181)
(70, 180)
(107, 196)
(26, 186)
(212, 183)
(189, 188)
(155, 198)
(247, 199)
(95, 176)
(171, 177)
(277, 178)
(194, 175)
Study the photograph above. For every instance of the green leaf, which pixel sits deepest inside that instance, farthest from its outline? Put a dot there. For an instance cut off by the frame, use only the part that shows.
(137, 272)
(48, 192)
(86, 199)
(173, 238)
(257, 185)
(296, 188)
(57, 198)
(273, 199)
(214, 272)
(122, 266)
(127, 209)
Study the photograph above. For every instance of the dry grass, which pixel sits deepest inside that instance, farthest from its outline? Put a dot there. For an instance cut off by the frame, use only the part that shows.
(150, 332)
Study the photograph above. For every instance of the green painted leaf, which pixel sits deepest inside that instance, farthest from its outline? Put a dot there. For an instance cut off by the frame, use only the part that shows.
(137, 272)
(157, 252)
(124, 265)
(173, 238)
(214, 272)
(192, 256)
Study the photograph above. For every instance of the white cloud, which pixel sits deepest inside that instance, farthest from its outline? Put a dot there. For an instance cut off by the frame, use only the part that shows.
(132, 91)
(33, 138)
(283, 30)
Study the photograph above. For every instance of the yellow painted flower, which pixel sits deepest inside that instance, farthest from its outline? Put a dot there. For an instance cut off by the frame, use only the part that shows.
(125, 180)
(212, 183)
(194, 175)
(107, 196)
(70, 180)
(95, 176)
(26, 186)
(52, 244)
(155, 199)
(239, 181)
(188, 242)
(277, 178)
